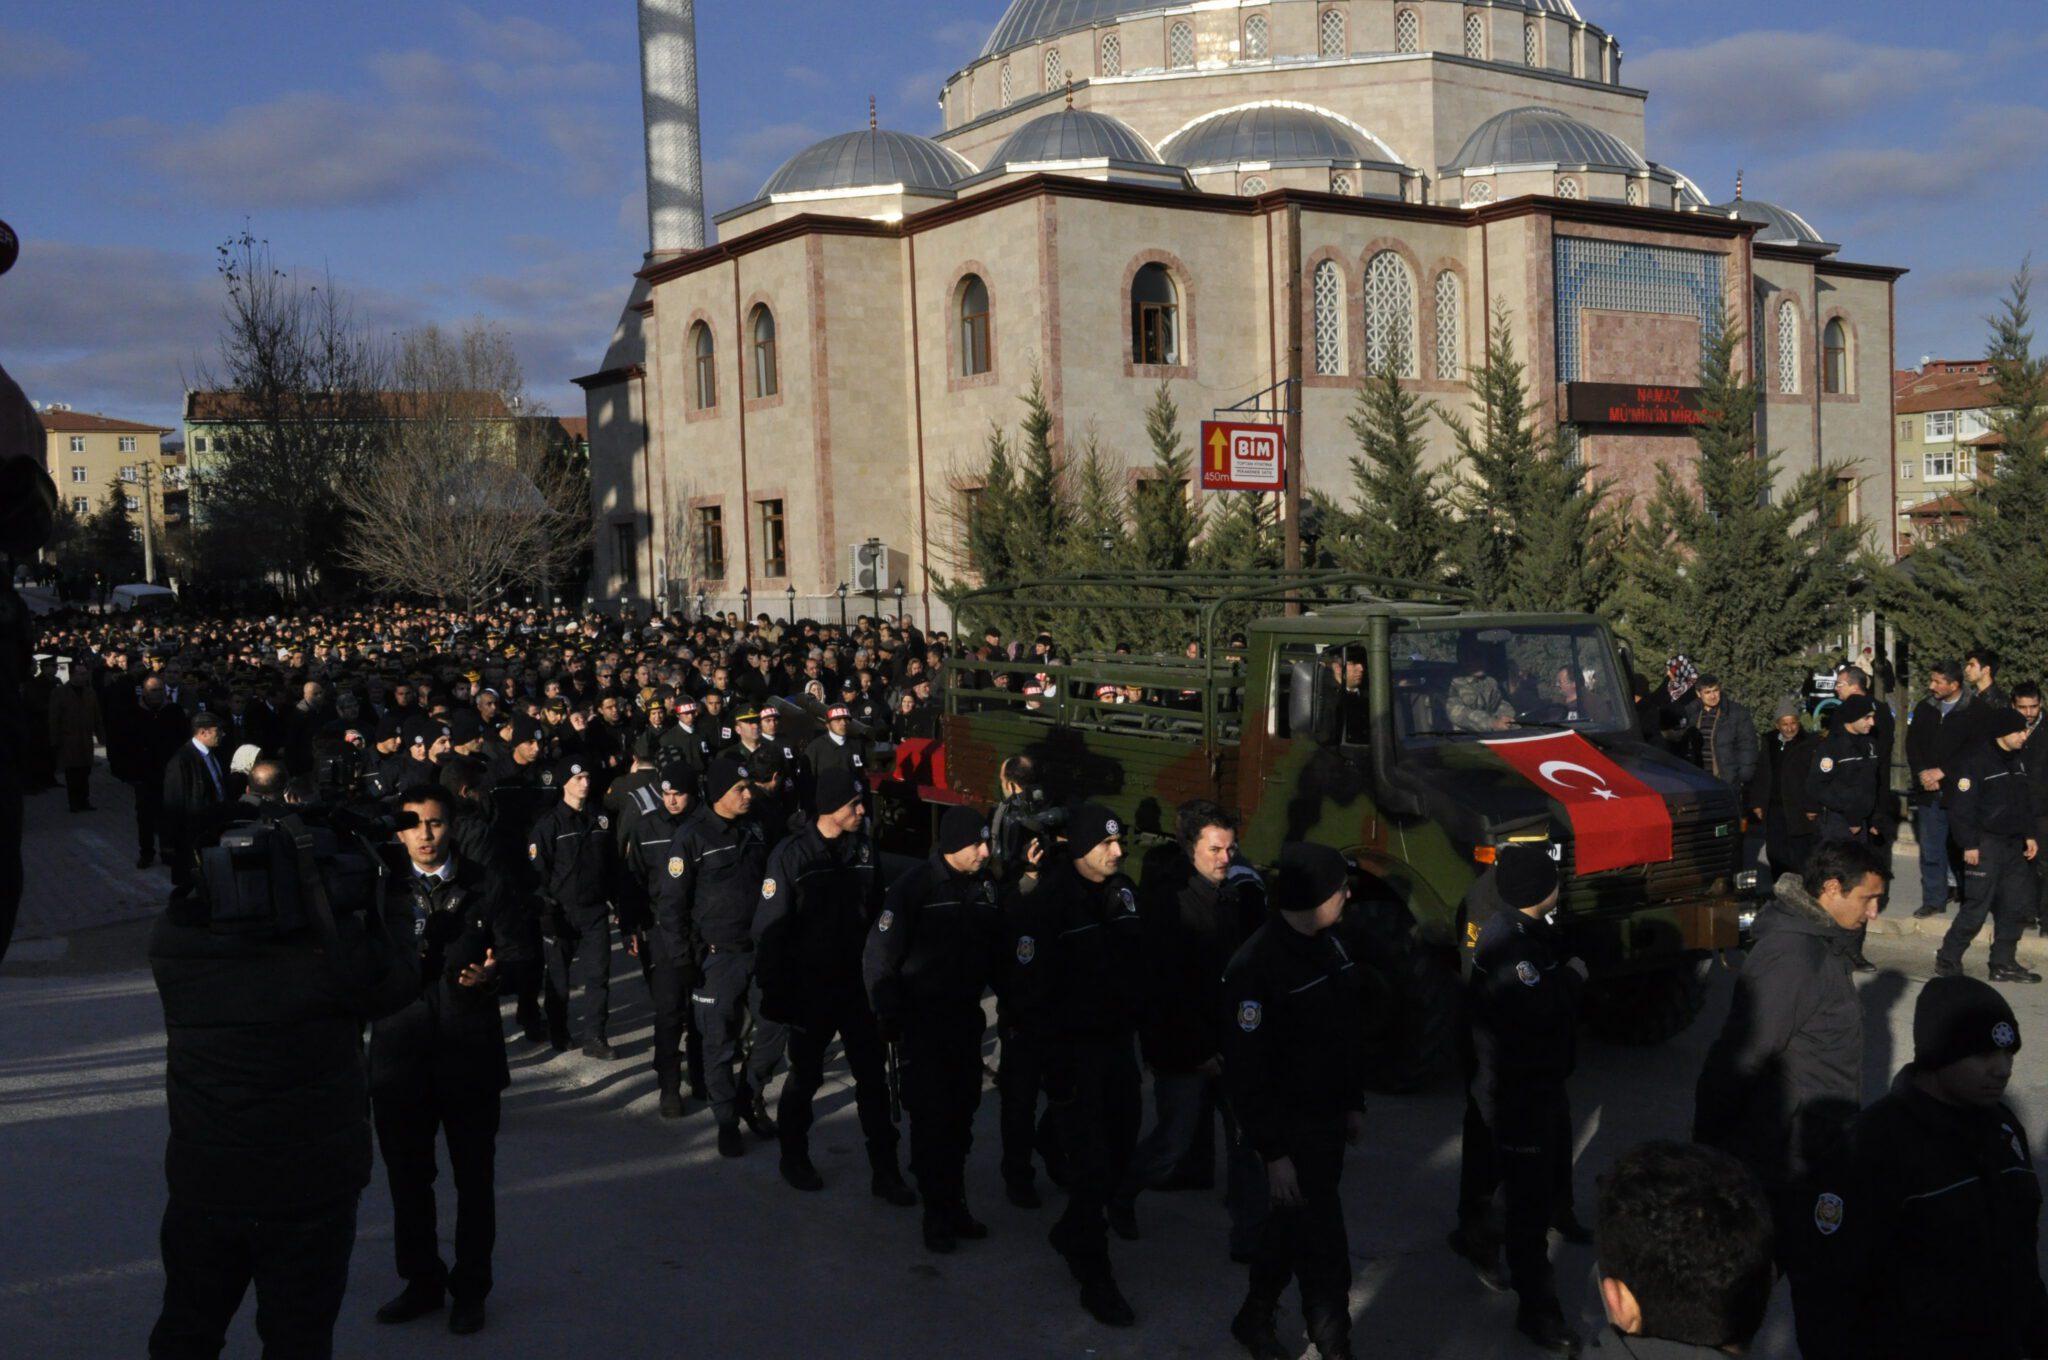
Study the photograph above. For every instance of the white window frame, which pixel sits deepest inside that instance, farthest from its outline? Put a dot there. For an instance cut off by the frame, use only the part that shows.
(1966, 463)
(128, 473)
(1940, 427)
(127, 443)
(78, 443)
(79, 473)
(1909, 469)
(80, 505)
(1939, 466)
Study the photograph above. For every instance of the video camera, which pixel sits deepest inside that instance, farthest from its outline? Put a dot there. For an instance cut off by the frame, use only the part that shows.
(1022, 819)
(292, 865)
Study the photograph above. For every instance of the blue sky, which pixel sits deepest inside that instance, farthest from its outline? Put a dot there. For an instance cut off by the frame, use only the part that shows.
(455, 160)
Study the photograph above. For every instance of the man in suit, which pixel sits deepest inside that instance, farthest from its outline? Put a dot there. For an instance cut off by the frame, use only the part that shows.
(194, 790)
(148, 732)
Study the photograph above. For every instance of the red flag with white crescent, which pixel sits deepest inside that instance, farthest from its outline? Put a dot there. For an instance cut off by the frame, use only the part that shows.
(1617, 820)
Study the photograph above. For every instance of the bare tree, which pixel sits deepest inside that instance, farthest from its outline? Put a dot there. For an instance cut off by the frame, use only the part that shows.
(473, 491)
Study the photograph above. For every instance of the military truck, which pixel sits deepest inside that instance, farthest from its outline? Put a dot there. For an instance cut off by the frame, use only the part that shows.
(1345, 714)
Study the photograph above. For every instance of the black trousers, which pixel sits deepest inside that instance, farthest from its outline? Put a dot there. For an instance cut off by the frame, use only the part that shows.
(298, 1263)
(1306, 1242)
(724, 1002)
(1525, 1153)
(676, 1037)
(149, 813)
(1020, 1079)
(78, 786)
(405, 1138)
(579, 957)
(938, 1064)
(849, 1018)
(2001, 886)
(1786, 844)
(1094, 1085)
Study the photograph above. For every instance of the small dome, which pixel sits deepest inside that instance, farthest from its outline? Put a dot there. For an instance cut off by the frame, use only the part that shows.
(1281, 134)
(1539, 136)
(1073, 135)
(870, 158)
(1781, 226)
(1029, 20)
(1686, 195)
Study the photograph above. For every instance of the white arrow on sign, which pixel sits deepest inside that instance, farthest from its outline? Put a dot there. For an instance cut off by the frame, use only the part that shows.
(1550, 769)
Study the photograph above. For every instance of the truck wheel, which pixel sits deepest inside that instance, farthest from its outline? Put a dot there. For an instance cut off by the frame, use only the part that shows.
(1649, 1008)
(1419, 1043)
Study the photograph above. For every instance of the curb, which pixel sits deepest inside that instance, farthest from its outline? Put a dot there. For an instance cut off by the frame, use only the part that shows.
(2033, 945)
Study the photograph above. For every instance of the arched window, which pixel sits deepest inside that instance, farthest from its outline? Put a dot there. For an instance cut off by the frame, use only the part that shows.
(1112, 55)
(1531, 45)
(1055, 72)
(1008, 86)
(1330, 38)
(1251, 186)
(1340, 184)
(767, 381)
(1475, 36)
(1180, 47)
(1635, 193)
(1407, 31)
(1479, 191)
(1255, 34)
(1567, 187)
(1450, 357)
(974, 353)
(1788, 347)
(1155, 317)
(1328, 289)
(1389, 315)
(1835, 348)
(705, 352)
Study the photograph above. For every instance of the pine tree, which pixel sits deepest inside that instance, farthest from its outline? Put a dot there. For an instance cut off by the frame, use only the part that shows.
(1984, 585)
(1244, 534)
(1748, 583)
(989, 515)
(1399, 522)
(1097, 543)
(1042, 521)
(1164, 520)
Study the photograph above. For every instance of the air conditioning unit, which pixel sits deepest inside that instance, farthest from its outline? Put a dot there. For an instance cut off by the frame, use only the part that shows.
(874, 568)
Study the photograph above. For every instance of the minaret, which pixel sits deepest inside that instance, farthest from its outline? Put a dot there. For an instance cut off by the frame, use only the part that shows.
(668, 95)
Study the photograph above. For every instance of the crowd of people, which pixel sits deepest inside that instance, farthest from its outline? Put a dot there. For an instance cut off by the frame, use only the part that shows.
(700, 793)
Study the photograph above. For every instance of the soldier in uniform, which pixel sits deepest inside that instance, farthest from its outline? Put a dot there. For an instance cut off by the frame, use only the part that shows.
(928, 959)
(778, 772)
(1474, 702)
(687, 741)
(1294, 1062)
(1846, 773)
(725, 857)
(574, 860)
(838, 748)
(386, 775)
(1991, 817)
(821, 894)
(668, 946)
(1522, 1006)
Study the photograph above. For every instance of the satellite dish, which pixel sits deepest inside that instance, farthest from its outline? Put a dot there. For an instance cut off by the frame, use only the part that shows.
(10, 247)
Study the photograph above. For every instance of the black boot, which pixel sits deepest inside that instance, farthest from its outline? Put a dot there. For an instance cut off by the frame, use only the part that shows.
(1568, 1228)
(938, 1230)
(730, 1143)
(2013, 972)
(415, 1301)
(1482, 1250)
(1544, 1324)
(798, 1171)
(1105, 1302)
(1253, 1328)
(1020, 1191)
(755, 1112)
(1123, 1218)
(671, 1103)
(888, 1185)
(466, 1317)
(966, 1226)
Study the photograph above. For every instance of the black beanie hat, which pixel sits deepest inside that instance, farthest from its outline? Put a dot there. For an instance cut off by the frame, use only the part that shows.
(2003, 722)
(960, 828)
(678, 777)
(836, 788)
(1854, 707)
(1090, 826)
(1961, 1017)
(568, 768)
(719, 779)
(1310, 875)
(1525, 874)
(526, 730)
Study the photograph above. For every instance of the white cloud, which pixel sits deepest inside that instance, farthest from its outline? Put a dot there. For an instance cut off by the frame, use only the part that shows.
(1976, 158)
(32, 56)
(1762, 86)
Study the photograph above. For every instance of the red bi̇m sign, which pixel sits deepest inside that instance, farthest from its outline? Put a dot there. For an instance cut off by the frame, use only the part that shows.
(1237, 457)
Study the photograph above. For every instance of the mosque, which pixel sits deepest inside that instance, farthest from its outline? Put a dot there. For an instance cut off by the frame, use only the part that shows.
(1243, 198)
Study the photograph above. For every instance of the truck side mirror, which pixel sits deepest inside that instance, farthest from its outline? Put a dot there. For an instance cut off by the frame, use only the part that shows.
(1312, 702)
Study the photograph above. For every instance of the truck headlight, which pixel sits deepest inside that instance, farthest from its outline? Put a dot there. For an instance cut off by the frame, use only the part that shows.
(1747, 880)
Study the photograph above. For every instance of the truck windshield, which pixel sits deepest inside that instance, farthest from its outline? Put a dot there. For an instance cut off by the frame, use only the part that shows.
(1453, 682)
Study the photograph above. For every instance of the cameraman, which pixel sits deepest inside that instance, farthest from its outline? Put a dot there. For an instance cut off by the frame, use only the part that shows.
(1022, 828)
(269, 1111)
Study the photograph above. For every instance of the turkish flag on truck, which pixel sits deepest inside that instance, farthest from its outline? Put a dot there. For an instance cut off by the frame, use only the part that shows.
(1617, 820)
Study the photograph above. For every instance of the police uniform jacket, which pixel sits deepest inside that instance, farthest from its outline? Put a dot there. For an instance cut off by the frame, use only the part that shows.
(447, 1042)
(819, 898)
(1523, 1002)
(1845, 776)
(1296, 1013)
(933, 950)
(1991, 797)
(1925, 1228)
(1020, 978)
(386, 775)
(1192, 928)
(574, 861)
(723, 864)
(660, 901)
(1094, 955)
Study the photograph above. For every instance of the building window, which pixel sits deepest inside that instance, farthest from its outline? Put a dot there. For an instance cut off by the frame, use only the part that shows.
(974, 353)
(1155, 317)
(1450, 358)
(1941, 425)
(1966, 464)
(1251, 186)
(199, 443)
(1389, 315)
(1941, 465)
(77, 474)
(1634, 193)
(774, 546)
(1255, 36)
(1479, 192)
(1180, 47)
(80, 505)
(1328, 289)
(78, 443)
(1788, 347)
(1330, 40)
(1567, 187)
(130, 504)
(1835, 348)
(1531, 45)
(1112, 55)
(128, 473)
(1340, 184)
(1905, 429)
(1475, 37)
(704, 351)
(1007, 85)
(1055, 72)
(1407, 31)
(1908, 469)
(127, 443)
(767, 382)
(626, 558)
(711, 541)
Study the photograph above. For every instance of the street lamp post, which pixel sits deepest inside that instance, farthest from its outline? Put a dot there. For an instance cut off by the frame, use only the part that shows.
(746, 605)
(842, 606)
(700, 606)
(790, 592)
(898, 593)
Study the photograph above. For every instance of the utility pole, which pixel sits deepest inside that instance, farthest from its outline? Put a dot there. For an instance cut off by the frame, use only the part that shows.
(147, 473)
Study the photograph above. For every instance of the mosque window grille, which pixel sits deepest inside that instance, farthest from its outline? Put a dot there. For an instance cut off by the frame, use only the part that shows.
(1330, 35)
(1450, 359)
(1327, 285)
(1618, 276)
(1788, 348)
(1389, 315)
(1634, 193)
(1055, 71)
(1009, 87)
(1567, 187)
(1180, 47)
(1256, 35)
(1407, 31)
(1479, 191)
(1340, 184)
(1252, 186)
(1475, 37)
(1532, 46)
(1112, 55)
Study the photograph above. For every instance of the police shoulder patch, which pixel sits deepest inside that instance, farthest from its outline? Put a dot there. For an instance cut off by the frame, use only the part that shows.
(604, 823)
(883, 922)
(1827, 1213)
(1826, 763)
(675, 866)
(1027, 949)
(1249, 1014)
(767, 888)
(1125, 896)
(532, 851)
(547, 777)
(1963, 784)
(1527, 973)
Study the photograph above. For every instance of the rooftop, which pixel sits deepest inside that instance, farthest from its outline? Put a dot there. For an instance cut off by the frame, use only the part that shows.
(86, 422)
(1946, 392)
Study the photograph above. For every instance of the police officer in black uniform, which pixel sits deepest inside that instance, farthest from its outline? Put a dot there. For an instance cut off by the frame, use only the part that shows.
(821, 894)
(1847, 773)
(387, 763)
(1991, 819)
(519, 789)
(438, 1065)
(668, 939)
(1298, 1005)
(1094, 991)
(1522, 1000)
(927, 962)
(574, 859)
(725, 858)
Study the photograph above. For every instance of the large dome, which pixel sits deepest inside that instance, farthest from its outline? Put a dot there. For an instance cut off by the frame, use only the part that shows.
(1028, 21)
(1072, 135)
(1540, 136)
(1781, 226)
(869, 159)
(1278, 134)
